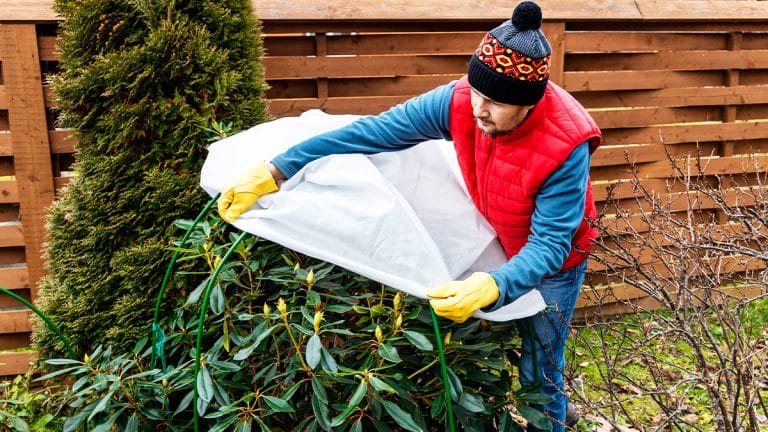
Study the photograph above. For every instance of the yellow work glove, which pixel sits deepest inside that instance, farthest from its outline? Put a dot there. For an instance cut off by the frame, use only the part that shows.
(241, 194)
(458, 300)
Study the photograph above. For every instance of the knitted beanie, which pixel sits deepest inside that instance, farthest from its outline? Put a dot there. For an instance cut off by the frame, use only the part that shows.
(511, 65)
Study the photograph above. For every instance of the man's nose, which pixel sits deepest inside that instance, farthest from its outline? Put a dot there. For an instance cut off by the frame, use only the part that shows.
(479, 110)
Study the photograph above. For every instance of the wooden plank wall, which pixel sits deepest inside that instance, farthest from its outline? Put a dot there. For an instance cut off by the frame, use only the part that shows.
(683, 82)
(686, 72)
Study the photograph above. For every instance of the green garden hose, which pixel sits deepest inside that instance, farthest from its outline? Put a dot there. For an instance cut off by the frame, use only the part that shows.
(158, 336)
(203, 309)
(444, 372)
(47, 320)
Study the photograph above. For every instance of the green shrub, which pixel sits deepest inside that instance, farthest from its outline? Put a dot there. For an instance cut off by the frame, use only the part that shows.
(140, 82)
(25, 409)
(295, 344)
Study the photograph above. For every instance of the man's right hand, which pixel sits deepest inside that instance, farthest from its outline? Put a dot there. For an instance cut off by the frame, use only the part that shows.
(243, 193)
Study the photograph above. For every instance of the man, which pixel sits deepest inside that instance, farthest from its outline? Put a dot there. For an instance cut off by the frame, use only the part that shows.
(523, 146)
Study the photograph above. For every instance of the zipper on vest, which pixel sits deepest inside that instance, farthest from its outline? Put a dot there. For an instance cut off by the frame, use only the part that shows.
(491, 151)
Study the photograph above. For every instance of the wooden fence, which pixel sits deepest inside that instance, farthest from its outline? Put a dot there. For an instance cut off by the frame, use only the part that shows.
(692, 72)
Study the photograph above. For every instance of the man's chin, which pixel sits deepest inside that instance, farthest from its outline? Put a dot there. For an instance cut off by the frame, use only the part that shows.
(486, 128)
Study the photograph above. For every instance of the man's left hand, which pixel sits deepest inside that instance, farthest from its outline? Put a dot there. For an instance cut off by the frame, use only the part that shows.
(458, 300)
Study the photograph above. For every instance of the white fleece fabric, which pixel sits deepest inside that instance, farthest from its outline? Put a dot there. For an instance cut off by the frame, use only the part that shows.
(400, 218)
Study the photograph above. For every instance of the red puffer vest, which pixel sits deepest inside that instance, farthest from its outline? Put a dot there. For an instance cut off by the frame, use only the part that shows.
(504, 173)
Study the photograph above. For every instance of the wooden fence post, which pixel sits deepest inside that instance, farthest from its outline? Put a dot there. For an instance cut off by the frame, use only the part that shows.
(555, 32)
(29, 137)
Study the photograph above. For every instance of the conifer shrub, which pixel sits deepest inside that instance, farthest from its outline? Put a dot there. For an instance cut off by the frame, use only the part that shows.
(140, 82)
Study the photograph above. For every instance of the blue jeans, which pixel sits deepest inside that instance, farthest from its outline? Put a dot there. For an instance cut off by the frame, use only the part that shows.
(550, 330)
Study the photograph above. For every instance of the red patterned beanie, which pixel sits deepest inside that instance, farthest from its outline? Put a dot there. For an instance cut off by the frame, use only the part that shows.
(511, 65)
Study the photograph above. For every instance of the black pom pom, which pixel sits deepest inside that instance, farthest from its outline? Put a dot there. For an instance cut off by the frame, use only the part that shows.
(527, 16)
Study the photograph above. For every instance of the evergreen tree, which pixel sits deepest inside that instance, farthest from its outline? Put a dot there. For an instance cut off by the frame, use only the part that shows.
(140, 82)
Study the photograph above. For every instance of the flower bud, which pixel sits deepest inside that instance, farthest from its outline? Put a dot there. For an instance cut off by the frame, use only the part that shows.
(379, 335)
(447, 338)
(216, 262)
(396, 302)
(310, 278)
(281, 307)
(267, 309)
(87, 358)
(318, 320)
(398, 322)
(296, 267)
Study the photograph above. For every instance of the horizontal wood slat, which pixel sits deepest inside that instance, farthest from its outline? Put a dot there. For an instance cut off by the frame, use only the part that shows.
(639, 80)
(360, 106)
(15, 321)
(677, 97)
(686, 133)
(619, 11)
(6, 148)
(15, 363)
(47, 48)
(613, 41)
(61, 141)
(670, 61)
(11, 234)
(639, 117)
(12, 278)
(359, 66)
(9, 191)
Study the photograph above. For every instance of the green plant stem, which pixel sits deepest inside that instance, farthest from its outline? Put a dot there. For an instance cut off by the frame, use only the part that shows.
(296, 346)
(424, 369)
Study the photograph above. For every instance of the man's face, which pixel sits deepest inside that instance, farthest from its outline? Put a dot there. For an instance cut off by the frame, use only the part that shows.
(494, 117)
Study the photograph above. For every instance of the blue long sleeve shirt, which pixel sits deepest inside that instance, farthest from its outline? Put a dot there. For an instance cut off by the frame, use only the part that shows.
(559, 205)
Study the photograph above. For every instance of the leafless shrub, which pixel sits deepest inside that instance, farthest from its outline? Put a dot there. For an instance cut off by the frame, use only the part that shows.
(695, 254)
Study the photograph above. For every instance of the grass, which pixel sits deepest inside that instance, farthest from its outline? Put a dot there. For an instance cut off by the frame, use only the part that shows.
(627, 368)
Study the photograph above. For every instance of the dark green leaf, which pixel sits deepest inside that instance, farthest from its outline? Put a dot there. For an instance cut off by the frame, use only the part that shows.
(389, 353)
(277, 404)
(204, 384)
(418, 340)
(357, 426)
(455, 385)
(379, 385)
(133, 424)
(327, 361)
(314, 347)
(362, 388)
(217, 300)
(438, 405)
(401, 417)
(472, 403)
(320, 409)
(538, 398)
(18, 424)
(535, 417)
(184, 402)
(339, 309)
(74, 422)
(194, 296)
(313, 298)
(318, 389)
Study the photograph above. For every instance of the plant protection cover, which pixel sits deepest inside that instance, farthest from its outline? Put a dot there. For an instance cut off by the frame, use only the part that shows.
(400, 218)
